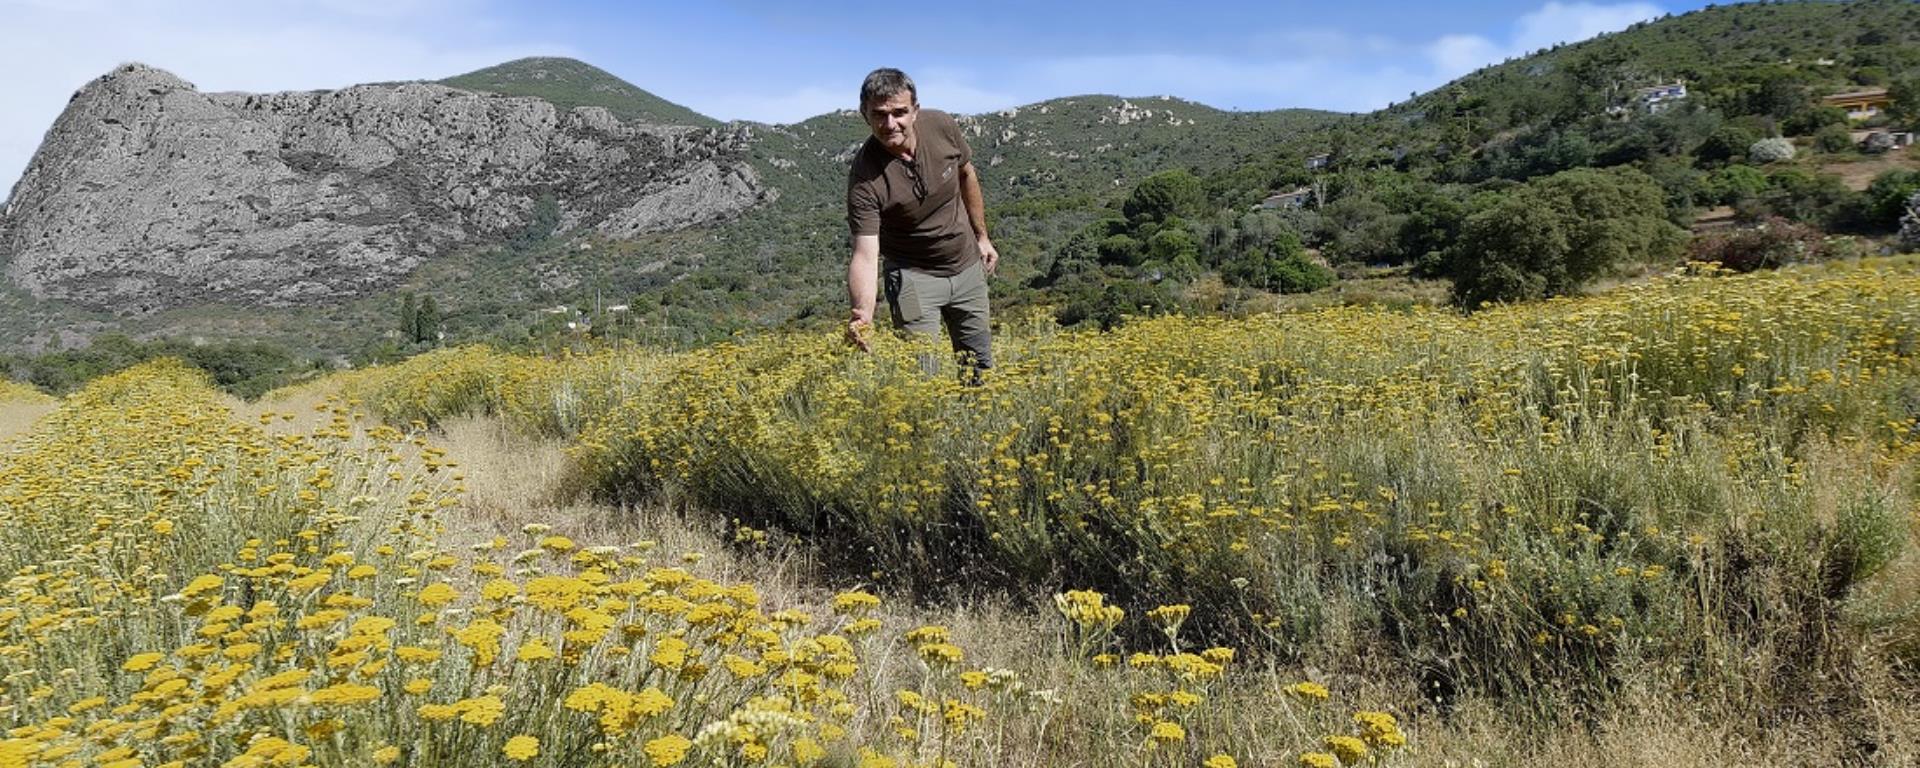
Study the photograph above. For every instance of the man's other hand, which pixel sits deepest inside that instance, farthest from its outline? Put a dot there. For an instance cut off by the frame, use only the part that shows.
(989, 256)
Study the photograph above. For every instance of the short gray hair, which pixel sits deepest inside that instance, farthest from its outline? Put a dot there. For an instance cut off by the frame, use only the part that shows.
(885, 83)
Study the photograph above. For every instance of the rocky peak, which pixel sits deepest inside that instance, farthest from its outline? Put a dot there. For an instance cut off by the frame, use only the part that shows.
(148, 193)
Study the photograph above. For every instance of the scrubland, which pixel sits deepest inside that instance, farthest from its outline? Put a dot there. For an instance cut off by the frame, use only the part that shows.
(1668, 525)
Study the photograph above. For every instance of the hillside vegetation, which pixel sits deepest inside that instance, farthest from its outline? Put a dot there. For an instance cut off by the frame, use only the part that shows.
(569, 83)
(1398, 188)
(1405, 204)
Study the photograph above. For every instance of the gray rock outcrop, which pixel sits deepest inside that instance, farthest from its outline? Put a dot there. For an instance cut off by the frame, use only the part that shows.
(148, 193)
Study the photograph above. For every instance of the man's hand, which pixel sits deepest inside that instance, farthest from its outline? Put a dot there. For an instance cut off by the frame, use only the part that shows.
(860, 332)
(989, 255)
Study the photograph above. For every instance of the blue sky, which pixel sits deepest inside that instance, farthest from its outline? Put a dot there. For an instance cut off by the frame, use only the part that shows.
(786, 61)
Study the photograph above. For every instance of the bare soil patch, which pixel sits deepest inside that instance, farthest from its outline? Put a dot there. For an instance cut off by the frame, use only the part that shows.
(1857, 174)
(16, 418)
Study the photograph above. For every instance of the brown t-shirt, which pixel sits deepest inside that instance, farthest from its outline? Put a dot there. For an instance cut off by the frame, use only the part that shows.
(921, 226)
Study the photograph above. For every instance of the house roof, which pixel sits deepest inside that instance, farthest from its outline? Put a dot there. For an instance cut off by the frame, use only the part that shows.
(1870, 93)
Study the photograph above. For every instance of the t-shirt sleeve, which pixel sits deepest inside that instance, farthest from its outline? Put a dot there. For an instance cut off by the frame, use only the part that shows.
(863, 209)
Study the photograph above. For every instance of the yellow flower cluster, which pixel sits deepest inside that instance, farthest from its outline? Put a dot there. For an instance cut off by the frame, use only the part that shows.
(19, 392)
(218, 594)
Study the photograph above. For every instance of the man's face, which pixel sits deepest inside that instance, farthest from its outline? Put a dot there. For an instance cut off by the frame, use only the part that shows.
(892, 121)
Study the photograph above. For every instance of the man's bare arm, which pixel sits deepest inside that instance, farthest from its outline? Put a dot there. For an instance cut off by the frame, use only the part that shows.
(863, 278)
(977, 216)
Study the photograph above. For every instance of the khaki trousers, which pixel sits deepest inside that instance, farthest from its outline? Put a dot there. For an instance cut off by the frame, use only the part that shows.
(921, 303)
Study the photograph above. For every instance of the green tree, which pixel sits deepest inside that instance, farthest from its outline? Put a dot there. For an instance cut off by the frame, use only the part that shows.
(1553, 236)
(1362, 230)
(1905, 106)
(1725, 144)
(1732, 184)
(1431, 226)
(1281, 266)
(1811, 121)
(426, 322)
(1779, 96)
(1813, 198)
(1833, 138)
(1170, 244)
(1109, 305)
(1614, 216)
(1509, 250)
(409, 316)
(1120, 249)
(1163, 195)
(541, 224)
(1887, 196)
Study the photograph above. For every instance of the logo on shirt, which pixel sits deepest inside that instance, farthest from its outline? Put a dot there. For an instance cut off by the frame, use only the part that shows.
(946, 173)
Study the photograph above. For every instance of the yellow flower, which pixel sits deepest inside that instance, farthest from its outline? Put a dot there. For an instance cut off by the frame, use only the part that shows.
(85, 704)
(141, 662)
(668, 750)
(1220, 761)
(201, 585)
(386, 754)
(941, 653)
(499, 589)
(670, 653)
(345, 694)
(808, 752)
(1167, 732)
(481, 710)
(651, 702)
(438, 594)
(1170, 617)
(854, 602)
(521, 748)
(1379, 729)
(1309, 691)
(1318, 760)
(416, 654)
(535, 650)
(1349, 749)
(309, 582)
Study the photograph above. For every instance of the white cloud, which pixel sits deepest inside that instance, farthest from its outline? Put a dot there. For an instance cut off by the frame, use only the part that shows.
(1455, 55)
(1553, 24)
(1569, 22)
(954, 90)
(1319, 68)
(946, 89)
(788, 106)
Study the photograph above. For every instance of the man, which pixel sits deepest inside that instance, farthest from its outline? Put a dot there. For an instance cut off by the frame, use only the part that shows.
(914, 206)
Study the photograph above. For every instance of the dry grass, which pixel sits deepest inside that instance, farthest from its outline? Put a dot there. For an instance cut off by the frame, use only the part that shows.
(514, 480)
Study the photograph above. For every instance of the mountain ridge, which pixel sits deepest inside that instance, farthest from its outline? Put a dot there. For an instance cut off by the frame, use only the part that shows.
(569, 83)
(294, 197)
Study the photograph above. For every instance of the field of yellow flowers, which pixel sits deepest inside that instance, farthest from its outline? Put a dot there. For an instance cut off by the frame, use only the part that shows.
(1698, 470)
(188, 587)
(1698, 489)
